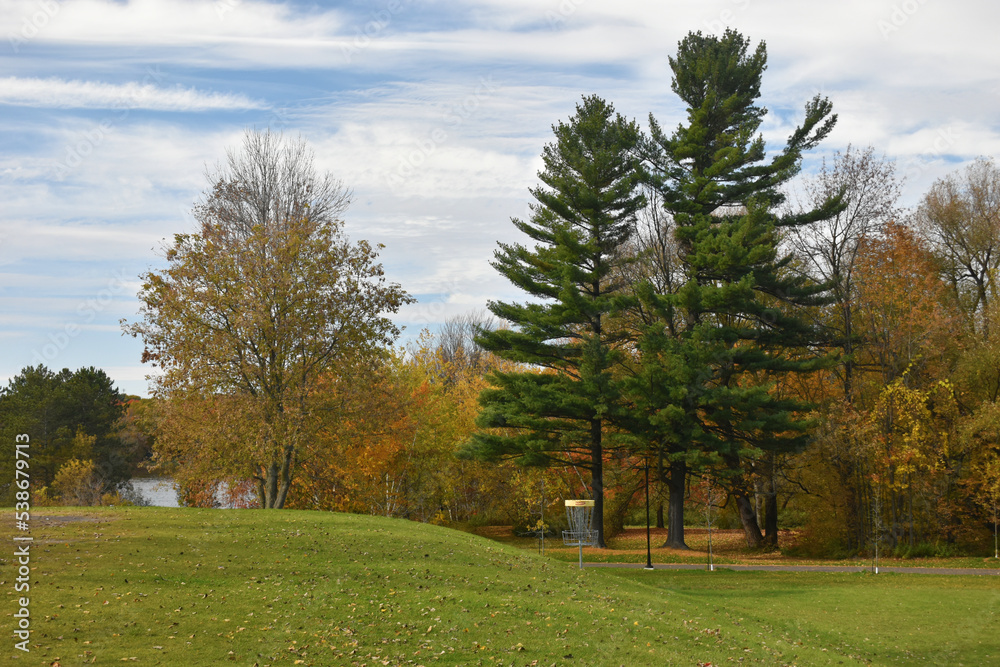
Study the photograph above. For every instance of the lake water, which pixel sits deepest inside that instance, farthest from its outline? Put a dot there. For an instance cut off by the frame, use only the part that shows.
(159, 491)
(162, 492)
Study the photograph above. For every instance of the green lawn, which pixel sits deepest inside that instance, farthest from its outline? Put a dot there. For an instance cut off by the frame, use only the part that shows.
(207, 587)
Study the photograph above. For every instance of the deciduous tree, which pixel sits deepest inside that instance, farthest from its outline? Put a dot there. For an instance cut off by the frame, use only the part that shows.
(262, 300)
(902, 310)
(961, 216)
(828, 249)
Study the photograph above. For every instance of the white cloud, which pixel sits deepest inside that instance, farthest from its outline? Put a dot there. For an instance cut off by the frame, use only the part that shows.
(49, 242)
(394, 104)
(171, 22)
(63, 94)
(137, 178)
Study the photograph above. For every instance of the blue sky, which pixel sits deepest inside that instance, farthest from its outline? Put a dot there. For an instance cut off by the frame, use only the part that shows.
(434, 112)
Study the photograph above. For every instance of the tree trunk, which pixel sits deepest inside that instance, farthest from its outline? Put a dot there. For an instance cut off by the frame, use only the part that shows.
(859, 519)
(285, 476)
(893, 510)
(771, 520)
(848, 354)
(659, 515)
(749, 519)
(675, 512)
(757, 493)
(617, 507)
(597, 479)
(261, 491)
(271, 486)
(909, 510)
(744, 504)
(770, 501)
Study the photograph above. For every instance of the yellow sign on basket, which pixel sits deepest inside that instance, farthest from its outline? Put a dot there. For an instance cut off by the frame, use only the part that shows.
(579, 503)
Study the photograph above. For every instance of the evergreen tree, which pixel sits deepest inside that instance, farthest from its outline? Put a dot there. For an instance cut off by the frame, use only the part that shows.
(706, 383)
(583, 215)
(54, 410)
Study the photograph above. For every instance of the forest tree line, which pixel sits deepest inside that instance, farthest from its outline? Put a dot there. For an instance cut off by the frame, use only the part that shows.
(695, 306)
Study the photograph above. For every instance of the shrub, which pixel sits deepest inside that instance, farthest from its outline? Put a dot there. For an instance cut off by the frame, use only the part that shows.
(42, 498)
(926, 550)
(77, 483)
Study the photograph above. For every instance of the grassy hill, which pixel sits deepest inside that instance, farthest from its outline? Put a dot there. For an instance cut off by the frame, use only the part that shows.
(207, 587)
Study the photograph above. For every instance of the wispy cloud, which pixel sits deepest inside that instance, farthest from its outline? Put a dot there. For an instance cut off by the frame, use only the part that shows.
(434, 111)
(162, 21)
(75, 94)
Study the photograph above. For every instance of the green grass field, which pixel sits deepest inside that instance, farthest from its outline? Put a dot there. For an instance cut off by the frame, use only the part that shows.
(208, 587)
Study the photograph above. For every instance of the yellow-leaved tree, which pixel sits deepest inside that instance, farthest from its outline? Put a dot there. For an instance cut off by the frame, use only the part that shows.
(77, 483)
(254, 308)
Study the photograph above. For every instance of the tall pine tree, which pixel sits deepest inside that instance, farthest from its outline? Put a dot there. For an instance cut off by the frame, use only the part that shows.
(707, 382)
(583, 215)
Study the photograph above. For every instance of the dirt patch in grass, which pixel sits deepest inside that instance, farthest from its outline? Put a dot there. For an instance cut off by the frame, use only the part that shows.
(60, 519)
(45, 527)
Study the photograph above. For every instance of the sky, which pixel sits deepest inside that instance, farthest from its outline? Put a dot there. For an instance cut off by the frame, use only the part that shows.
(434, 112)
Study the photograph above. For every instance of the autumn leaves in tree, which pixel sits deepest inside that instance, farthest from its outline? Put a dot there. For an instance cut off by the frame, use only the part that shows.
(909, 436)
(254, 310)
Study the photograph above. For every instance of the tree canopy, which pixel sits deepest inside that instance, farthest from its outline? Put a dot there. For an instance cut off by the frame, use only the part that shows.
(259, 303)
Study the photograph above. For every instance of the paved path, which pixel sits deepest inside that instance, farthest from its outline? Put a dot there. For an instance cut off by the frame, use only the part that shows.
(808, 568)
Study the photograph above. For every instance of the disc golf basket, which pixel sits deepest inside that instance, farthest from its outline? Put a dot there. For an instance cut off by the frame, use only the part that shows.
(580, 514)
